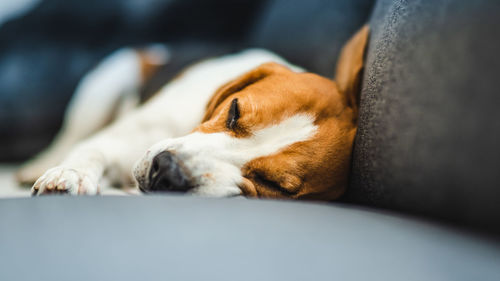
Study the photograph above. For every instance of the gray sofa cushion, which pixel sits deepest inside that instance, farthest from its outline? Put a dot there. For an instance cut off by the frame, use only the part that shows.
(186, 238)
(430, 121)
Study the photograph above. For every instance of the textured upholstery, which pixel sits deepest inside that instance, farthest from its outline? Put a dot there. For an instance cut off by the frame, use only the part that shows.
(186, 238)
(429, 122)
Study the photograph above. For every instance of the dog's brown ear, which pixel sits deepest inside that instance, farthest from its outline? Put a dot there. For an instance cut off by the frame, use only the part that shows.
(239, 84)
(350, 67)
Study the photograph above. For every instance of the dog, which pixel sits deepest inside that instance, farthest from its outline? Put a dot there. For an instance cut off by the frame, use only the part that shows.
(247, 124)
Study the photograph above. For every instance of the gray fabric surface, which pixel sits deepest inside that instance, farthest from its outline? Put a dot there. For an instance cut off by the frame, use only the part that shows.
(186, 238)
(310, 33)
(429, 122)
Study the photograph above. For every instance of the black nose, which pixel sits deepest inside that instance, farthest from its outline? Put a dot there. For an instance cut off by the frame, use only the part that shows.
(166, 174)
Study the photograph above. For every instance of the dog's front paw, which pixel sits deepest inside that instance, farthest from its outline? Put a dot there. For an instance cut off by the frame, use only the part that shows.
(63, 180)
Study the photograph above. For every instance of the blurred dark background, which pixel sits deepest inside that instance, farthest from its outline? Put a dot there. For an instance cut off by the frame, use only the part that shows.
(48, 48)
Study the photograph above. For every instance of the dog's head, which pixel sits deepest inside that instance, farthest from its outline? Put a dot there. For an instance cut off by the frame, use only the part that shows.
(270, 133)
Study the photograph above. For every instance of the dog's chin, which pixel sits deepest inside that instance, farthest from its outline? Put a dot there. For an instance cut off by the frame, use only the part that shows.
(199, 190)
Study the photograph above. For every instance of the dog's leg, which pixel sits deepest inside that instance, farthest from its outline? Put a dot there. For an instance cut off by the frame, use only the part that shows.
(175, 111)
(102, 95)
(116, 147)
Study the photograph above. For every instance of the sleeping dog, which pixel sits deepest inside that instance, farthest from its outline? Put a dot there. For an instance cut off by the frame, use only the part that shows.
(246, 124)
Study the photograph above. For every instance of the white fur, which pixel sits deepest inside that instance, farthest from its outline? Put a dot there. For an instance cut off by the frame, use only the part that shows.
(175, 111)
(214, 161)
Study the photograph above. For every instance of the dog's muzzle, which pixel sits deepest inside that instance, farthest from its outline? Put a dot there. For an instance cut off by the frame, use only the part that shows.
(166, 174)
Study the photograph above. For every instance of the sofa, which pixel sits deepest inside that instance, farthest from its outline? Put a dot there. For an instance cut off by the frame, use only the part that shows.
(423, 201)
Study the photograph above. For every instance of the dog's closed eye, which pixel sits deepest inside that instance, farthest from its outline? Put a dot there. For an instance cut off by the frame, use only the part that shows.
(233, 116)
